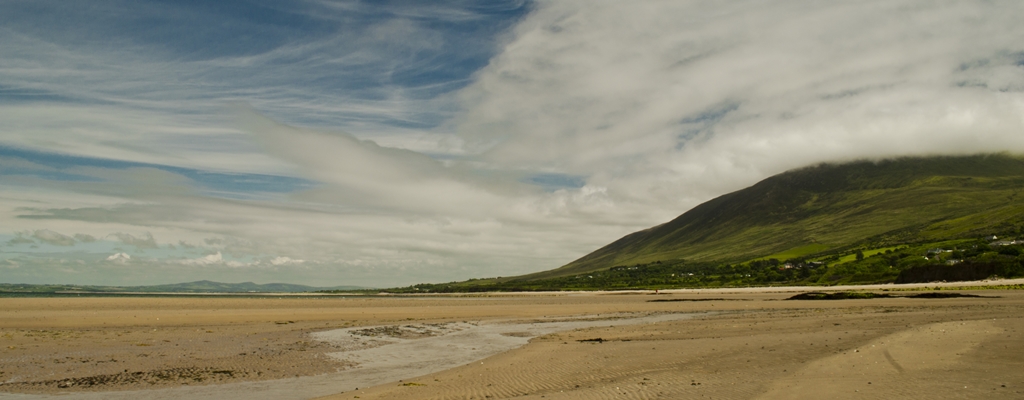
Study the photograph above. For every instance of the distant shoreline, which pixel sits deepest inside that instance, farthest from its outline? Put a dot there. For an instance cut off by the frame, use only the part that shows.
(174, 294)
(967, 285)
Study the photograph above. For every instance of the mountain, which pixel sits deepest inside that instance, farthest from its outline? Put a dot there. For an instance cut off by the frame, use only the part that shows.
(829, 208)
(188, 287)
(244, 287)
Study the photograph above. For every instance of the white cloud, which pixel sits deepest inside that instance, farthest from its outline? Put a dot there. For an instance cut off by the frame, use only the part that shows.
(84, 238)
(668, 100)
(145, 241)
(160, 97)
(215, 259)
(285, 261)
(208, 259)
(122, 258)
(19, 239)
(54, 238)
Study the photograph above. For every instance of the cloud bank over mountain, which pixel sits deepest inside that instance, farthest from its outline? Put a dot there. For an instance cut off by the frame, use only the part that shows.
(331, 143)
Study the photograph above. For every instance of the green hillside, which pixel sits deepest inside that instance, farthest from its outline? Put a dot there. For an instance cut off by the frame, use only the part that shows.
(828, 208)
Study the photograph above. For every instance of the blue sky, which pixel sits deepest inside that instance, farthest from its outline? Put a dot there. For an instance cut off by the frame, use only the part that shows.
(387, 143)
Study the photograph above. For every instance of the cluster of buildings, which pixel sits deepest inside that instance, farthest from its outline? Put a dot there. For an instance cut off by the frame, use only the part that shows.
(809, 264)
(994, 241)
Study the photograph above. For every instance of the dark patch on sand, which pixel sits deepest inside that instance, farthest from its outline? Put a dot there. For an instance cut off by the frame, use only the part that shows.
(670, 300)
(870, 295)
(838, 296)
(941, 295)
(179, 376)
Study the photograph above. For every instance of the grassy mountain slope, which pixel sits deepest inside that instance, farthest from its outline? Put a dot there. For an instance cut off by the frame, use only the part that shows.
(831, 207)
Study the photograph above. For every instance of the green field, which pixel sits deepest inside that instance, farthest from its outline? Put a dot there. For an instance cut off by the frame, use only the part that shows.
(867, 253)
(797, 252)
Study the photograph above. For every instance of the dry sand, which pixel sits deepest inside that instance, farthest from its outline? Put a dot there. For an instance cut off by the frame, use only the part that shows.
(706, 344)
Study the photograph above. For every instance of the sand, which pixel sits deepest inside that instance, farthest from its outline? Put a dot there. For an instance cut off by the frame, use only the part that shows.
(706, 344)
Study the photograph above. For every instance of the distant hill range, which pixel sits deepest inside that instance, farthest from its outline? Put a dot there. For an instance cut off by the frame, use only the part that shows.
(188, 287)
(829, 208)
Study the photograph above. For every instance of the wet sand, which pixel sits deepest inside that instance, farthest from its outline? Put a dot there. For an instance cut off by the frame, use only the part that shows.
(718, 344)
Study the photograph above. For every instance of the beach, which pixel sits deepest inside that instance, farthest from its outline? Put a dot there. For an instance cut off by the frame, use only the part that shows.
(735, 343)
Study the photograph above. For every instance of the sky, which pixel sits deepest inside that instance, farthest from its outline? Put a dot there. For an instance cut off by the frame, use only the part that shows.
(388, 143)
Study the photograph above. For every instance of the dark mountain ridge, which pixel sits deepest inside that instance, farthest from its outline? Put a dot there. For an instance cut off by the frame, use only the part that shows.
(203, 286)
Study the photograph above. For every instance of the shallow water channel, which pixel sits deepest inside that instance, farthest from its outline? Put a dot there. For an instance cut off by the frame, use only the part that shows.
(385, 354)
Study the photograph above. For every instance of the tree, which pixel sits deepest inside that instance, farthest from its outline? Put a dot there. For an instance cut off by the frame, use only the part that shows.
(860, 255)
